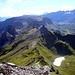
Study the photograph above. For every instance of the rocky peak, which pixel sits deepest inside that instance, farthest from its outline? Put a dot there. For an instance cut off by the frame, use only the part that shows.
(5, 37)
(44, 30)
(47, 36)
(11, 30)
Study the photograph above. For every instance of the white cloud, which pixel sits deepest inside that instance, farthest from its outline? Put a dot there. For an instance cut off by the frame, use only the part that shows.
(20, 7)
(13, 7)
(62, 7)
(67, 7)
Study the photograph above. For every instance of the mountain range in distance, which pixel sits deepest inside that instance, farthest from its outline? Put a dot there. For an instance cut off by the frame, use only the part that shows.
(62, 16)
(29, 39)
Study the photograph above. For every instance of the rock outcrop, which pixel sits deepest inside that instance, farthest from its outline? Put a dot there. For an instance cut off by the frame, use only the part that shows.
(12, 69)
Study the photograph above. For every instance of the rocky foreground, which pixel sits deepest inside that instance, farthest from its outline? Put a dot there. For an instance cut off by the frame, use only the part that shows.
(12, 69)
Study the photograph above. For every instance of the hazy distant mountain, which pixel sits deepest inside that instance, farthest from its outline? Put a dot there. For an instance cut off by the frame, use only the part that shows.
(64, 21)
(23, 22)
(3, 18)
(62, 16)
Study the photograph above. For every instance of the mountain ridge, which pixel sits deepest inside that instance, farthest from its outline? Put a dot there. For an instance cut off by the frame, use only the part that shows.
(62, 16)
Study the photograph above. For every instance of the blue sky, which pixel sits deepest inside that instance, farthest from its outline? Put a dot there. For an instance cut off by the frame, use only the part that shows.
(21, 7)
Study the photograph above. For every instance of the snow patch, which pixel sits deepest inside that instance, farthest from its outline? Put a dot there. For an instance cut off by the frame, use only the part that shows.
(10, 63)
(58, 61)
(68, 12)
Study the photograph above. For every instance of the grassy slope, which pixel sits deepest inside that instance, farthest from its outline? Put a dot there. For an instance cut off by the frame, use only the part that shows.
(69, 65)
(25, 56)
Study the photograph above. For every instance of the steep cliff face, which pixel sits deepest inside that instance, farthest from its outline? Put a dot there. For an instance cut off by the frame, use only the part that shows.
(67, 38)
(11, 29)
(63, 48)
(7, 36)
(47, 36)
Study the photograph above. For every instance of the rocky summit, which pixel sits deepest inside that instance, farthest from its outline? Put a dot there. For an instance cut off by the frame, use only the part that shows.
(12, 69)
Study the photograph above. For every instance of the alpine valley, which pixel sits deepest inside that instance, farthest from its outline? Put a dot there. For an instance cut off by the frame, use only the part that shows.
(33, 42)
